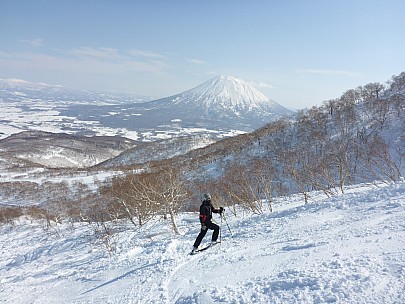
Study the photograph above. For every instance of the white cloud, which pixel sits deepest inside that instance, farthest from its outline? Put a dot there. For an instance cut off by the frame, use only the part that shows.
(82, 60)
(262, 85)
(33, 42)
(95, 52)
(145, 54)
(327, 72)
(5, 55)
(195, 61)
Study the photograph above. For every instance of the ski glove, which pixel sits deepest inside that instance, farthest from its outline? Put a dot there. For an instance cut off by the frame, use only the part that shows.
(221, 209)
(203, 227)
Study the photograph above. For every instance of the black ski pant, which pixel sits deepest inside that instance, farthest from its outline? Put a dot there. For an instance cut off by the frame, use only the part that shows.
(203, 232)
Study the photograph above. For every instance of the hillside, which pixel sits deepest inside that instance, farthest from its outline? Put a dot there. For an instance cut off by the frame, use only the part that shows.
(59, 150)
(345, 249)
(157, 150)
(358, 137)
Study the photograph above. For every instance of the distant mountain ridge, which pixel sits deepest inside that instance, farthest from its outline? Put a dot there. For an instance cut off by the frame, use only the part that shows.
(14, 89)
(220, 107)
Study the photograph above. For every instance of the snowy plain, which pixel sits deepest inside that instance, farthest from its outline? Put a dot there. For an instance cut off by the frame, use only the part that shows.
(38, 106)
(349, 248)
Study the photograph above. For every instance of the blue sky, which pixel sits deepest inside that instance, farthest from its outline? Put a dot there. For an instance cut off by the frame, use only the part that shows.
(298, 53)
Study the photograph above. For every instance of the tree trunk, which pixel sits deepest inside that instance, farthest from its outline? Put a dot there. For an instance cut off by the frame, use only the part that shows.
(173, 220)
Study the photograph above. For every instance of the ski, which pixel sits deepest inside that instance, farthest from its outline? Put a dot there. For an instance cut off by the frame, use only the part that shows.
(203, 249)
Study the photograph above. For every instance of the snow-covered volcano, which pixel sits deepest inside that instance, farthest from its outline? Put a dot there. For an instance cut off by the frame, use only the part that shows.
(223, 101)
(226, 92)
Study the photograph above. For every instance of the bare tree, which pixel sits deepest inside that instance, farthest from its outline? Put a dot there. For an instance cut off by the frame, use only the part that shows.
(173, 192)
(149, 194)
(380, 161)
(9, 213)
(247, 185)
(131, 198)
(371, 91)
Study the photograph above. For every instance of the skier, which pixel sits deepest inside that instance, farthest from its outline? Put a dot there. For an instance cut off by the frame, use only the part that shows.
(206, 210)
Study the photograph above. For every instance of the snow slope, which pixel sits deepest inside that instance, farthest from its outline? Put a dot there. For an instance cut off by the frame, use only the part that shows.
(344, 249)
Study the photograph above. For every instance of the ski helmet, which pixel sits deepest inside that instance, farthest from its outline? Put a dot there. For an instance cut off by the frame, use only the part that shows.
(207, 197)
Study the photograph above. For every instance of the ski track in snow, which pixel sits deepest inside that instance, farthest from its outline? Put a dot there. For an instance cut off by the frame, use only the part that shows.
(345, 249)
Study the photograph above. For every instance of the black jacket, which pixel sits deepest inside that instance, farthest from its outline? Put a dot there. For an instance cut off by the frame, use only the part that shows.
(206, 210)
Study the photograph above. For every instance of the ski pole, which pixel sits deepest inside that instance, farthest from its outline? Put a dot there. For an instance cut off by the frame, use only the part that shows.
(220, 232)
(226, 223)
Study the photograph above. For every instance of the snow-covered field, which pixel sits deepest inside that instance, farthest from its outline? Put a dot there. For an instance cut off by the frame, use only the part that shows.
(346, 249)
(38, 106)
